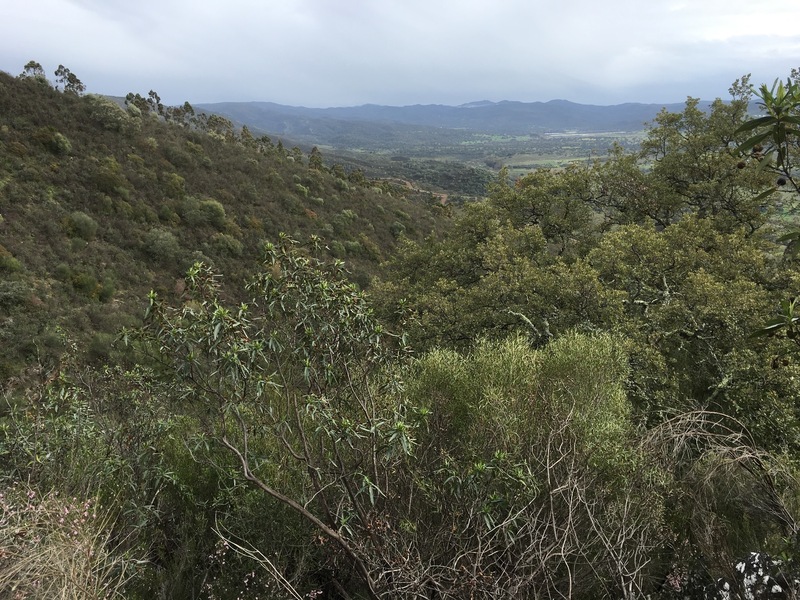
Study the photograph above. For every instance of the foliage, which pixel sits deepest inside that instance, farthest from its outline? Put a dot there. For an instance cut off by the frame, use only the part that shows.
(524, 453)
(589, 414)
(296, 367)
(159, 189)
(69, 81)
(776, 133)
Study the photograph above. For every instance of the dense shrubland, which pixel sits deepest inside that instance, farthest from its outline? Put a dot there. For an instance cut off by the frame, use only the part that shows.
(101, 203)
(561, 394)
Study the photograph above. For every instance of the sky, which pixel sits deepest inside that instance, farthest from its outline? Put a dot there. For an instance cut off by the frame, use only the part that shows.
(321, 53)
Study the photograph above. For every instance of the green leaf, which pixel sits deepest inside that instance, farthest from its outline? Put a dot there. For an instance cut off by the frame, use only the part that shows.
(765, 194)
(747, 146)
(755, 124)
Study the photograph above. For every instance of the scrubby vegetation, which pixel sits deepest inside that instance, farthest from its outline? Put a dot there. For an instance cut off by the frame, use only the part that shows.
(584, 385)
(101, 203)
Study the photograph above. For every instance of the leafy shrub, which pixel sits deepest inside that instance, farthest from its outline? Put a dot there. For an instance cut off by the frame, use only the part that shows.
(8, 264)
(161, 245)
(175, 186)
(106, 291)
(52, 140)
(60, 144)
(227, 245)
(13, 293)
(353, 248)
(337, 249)
(62, 272)
(108, 178)
(109, 114)
(199, 213)
(100, 347)
(397, 229)
(81, 225)
(178, 157)
(85, 283)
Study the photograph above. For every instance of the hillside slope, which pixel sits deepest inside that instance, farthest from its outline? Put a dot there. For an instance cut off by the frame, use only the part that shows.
(98, 205)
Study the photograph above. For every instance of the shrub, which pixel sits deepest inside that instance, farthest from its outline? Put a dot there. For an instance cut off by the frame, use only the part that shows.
(13, 293)
(100, 347)
(337, 249)
(8, 264)
(178, 157)
(161, 245)
(60, 144)
(199, 213)
(81, 225)
(175, 186)
(108, 113)
(353, 248)
(227, 245)
(52, 140)
(108, 178)
(397, 229)
(85, 283)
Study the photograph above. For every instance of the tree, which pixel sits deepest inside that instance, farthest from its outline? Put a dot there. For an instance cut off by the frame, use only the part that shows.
(315, 159)
(154, 101)
(33, 69)
(293, 383)
(246, 138)
(554, 201)
(69, 80)
(138, 101)
(687, 165)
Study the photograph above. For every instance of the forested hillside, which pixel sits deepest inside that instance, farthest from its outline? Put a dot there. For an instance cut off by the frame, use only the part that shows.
(582, 386)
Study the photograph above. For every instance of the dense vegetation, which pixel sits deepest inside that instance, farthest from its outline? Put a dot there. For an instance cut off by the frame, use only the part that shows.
(583, 386)
(101, 204)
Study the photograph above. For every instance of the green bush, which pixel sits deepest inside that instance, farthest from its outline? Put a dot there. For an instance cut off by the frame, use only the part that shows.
(81, 225)
(85, 283)
(8, 264)
(60, 144)
(107, 177)
(353, 248)
(13, 293)
(198, 213)
(227, 245)
(397, 229)
(108, 114)
(338, 250)
(161, 245)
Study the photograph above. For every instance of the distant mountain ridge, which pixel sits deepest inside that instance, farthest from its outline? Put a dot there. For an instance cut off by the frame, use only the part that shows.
(495, 118)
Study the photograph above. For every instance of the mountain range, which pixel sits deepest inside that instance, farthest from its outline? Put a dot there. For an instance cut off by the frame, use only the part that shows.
(336, 126)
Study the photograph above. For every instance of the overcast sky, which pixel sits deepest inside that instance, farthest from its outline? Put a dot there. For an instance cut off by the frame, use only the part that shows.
(398, 52)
